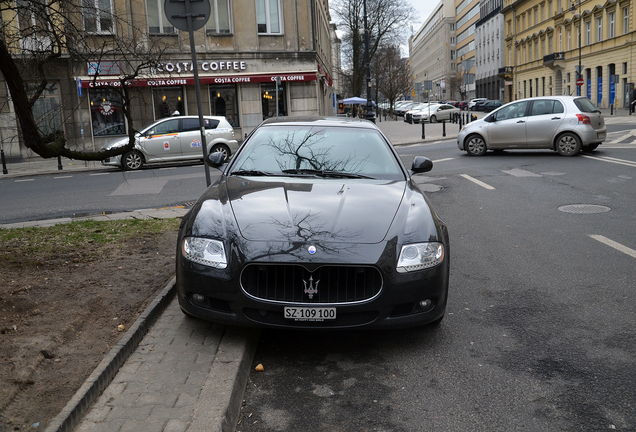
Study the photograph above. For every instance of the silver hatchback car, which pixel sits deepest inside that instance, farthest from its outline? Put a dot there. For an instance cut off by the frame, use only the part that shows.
(175, 139)
(566, 124)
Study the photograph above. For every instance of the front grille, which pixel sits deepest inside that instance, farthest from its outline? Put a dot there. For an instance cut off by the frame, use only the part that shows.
(288, 283)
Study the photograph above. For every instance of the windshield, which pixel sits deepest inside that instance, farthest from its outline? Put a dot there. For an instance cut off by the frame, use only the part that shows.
(317, 151)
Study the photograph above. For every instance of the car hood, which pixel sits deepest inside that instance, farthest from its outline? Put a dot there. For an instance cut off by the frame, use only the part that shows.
(119, 142)
(328, 210)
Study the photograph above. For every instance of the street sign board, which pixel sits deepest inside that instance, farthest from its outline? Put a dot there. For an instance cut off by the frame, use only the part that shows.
(177, 15)
(579, 82)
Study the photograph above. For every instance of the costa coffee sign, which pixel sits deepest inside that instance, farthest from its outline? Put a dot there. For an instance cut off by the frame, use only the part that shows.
(206, 79)
(180, 67)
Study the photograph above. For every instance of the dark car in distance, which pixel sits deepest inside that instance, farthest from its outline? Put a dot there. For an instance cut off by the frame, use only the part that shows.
(314, 224)
(490, 105)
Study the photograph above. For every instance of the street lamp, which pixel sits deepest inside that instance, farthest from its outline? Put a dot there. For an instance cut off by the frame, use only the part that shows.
(579, 72)
(369, 108)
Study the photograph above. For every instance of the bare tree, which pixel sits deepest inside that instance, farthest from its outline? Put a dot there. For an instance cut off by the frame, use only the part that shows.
(392, 74)
(41, 38)
(385, 22)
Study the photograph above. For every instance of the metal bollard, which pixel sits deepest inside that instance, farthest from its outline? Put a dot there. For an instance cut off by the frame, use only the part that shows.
(443, 128)
(460, 123)
(4, 162)
(59, 163)
(423, 129)
(612, 109)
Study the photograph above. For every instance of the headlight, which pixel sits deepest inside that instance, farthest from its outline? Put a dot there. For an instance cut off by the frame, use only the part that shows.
(420, 256)
(205, 251)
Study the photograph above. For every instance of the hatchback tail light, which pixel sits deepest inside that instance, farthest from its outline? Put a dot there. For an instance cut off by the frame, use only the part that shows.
(583, 119)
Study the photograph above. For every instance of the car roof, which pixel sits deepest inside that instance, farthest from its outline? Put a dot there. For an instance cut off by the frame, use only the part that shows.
(320, 121)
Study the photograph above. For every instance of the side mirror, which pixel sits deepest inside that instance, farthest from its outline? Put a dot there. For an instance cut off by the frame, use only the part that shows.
(216, 159)
(421, 164)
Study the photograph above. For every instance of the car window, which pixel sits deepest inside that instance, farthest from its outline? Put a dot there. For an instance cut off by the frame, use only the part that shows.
(189, 124)
(511, 111)
(210, 123)
(169, 126)
(542, 107)
(275, 149)
(585, 105)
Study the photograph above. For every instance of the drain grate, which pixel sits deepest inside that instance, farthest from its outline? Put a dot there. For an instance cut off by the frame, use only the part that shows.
(584, 209)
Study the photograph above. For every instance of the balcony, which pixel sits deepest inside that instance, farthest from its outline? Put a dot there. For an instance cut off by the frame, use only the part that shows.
(506, 71)
(556, 59)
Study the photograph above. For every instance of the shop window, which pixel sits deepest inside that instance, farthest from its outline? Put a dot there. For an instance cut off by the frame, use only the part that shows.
(157, 21)
(168, 101)
(107, 115)
(268, 100)
(98, 16)
(268, 16)
(47, 110)
(219, 22)
(224, 102)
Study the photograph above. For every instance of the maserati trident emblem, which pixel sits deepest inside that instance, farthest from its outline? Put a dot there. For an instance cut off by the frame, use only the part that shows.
(311, 290)
(311, 250)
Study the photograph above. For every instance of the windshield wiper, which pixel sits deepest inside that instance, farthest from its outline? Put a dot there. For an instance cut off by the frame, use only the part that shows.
(324, 173)
(251, 173)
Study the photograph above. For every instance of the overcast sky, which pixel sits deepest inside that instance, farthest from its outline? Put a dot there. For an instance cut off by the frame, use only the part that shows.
(424, 9)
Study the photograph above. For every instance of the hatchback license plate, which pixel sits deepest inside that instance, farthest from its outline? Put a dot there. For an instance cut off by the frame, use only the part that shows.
(310, 313)
(600, 135)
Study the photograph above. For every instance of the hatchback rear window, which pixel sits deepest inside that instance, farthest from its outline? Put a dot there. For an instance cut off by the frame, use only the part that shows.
(584, 105)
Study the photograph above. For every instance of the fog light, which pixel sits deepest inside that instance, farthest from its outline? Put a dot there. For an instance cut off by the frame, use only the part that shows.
(425, 304)
(198, 298)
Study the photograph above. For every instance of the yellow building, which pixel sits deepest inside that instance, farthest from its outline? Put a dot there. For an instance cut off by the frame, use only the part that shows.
(547, 40)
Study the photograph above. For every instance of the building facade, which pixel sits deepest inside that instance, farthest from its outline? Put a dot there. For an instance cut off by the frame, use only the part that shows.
(242, 50)
(466, 17)
(432, 54)
(489, 50)
(549, 41)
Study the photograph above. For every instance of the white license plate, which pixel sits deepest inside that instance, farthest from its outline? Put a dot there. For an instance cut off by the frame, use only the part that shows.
(601, 135)
(310, 313)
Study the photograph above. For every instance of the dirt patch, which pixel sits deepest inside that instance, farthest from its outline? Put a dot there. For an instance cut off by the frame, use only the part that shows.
(59, 315)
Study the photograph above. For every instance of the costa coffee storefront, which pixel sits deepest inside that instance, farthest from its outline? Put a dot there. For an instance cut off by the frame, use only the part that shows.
(227, 89)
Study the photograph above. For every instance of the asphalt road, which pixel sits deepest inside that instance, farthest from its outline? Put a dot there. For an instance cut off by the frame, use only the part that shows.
(539, 333)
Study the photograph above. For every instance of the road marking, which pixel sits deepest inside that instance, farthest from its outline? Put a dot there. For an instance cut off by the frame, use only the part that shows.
(478, 182)
(612, 243)
(612, 160)
(63, 177)
(25, 180)
(521, 173)
(443, 160)
(98, 174)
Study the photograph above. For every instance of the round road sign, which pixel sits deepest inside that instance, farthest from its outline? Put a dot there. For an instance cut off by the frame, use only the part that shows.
(579, 82)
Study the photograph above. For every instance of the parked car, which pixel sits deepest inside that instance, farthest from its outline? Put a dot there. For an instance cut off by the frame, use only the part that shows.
(174, 139)
(473, 103)
(462, 105)
(435, 113)
(566, 124)
(412, 116)
(399, 111)
(478, 106)
(490, 105)
(408, 115)
(282, 239)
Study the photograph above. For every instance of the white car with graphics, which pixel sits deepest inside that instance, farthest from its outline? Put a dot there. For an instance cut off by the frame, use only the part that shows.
(175, 139)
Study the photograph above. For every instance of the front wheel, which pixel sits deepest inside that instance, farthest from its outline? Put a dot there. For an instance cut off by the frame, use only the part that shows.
(568, 144)
(221, 148)
(433, 119)
(133, 160)
(475, 145)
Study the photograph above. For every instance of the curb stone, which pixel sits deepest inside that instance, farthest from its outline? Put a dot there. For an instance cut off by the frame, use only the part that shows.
(104, 373)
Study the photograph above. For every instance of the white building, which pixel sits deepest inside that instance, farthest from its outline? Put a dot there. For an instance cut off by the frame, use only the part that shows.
(489, 50)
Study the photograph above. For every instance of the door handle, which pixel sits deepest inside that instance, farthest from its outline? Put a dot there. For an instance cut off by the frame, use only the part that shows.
(556, 118)
(521, 121)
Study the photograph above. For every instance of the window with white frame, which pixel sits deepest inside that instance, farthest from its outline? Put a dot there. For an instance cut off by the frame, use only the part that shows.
(219, 22)
(47, 110)
(569, 39)
(611, 25)
(625, 20)
(268, 16)
(599, 29)
(33, 24)
(588, 32)
(98, 16)
(157, 21)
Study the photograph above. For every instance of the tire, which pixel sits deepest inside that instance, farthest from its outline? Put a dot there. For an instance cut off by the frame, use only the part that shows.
(589, 148)
(568, 144)
(433, 119)
(132, 161)
(223, 149)
(475, 145)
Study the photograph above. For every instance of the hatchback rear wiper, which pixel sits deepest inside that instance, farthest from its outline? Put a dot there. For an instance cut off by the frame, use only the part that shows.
(324, 173)
(251, 173)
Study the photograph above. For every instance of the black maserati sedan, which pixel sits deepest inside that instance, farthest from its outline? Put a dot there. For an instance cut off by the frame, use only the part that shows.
(314, 224)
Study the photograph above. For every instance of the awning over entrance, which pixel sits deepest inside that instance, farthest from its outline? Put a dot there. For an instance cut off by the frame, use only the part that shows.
(88, 82)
